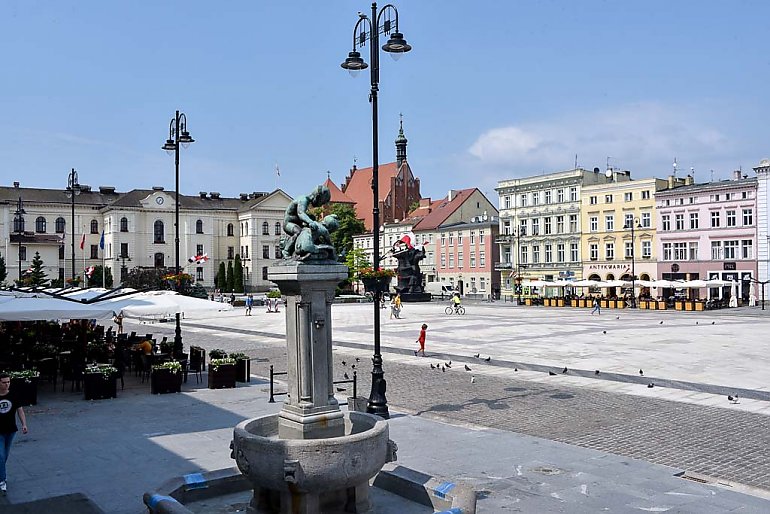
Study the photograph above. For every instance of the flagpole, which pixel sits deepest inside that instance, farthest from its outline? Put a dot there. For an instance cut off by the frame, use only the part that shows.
(83, 248)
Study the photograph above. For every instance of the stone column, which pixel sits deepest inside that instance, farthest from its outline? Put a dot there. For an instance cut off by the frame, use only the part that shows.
(763, 225)
(310, 410)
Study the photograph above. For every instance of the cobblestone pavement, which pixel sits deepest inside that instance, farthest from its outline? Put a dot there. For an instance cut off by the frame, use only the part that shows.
(721, 443)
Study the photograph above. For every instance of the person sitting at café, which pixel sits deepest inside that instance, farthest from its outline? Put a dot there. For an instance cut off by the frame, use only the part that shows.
(145, 346)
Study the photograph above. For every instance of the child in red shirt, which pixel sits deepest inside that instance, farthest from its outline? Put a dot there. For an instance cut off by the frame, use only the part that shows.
(421, 340)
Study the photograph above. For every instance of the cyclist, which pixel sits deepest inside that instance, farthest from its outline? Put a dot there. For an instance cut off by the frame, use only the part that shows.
(456, 300)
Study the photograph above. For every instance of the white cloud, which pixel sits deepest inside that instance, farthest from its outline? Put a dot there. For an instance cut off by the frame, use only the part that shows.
(643, 138)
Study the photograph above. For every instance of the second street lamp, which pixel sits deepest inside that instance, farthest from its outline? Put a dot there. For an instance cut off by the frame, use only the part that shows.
(73, 190)
(386, 22)
(18, 227)
(177, 135)
(630, 224)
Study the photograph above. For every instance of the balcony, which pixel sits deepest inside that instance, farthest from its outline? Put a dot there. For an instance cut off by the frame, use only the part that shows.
(503, 266)
(504, 238)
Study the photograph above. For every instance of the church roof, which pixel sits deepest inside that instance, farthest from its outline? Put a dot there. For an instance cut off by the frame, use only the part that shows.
(337, 195)
(440, 210)
(359, 189)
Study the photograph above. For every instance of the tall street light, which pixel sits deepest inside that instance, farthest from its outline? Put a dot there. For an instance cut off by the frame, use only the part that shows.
(383, 22)
(634, 222)
(177, 135)
(18, 227)
(73, 189)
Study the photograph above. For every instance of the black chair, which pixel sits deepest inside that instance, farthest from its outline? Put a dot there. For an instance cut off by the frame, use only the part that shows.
(195, 364)
(48, 368)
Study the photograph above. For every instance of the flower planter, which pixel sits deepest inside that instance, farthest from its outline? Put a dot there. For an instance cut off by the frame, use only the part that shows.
(222, 376)
(26, 390)
(165, 381)
(376, 285)
(243, 370)
(661, 305)
(98, 386)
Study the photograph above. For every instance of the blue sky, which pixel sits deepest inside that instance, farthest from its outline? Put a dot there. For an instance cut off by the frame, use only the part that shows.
(491, 90)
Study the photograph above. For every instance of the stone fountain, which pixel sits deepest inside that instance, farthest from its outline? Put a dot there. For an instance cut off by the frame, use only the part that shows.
(311, 457)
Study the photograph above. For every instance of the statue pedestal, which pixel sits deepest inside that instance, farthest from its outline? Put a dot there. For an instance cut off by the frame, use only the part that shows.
(310, 410)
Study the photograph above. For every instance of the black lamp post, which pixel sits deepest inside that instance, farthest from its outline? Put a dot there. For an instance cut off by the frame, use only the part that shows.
(630, 225)
(177, 135)
(73, 189)
(383, 22)
(123, 259)
(18, 227)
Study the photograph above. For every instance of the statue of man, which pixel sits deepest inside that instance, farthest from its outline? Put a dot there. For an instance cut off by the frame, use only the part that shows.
(297, 217)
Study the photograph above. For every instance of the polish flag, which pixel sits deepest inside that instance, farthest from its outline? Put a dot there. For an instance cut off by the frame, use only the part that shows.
(83, 241)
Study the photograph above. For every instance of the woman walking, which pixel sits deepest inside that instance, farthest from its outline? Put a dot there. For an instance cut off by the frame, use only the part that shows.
(10, 408)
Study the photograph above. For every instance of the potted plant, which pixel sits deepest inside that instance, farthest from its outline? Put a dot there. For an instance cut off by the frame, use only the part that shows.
(242, 367)
(99, 382)
(376, 280)
(222, 373)
(166, 377)
(217, 353)
(24, 384)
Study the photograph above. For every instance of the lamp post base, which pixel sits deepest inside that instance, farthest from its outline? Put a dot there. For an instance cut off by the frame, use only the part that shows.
(178, 347)
(378, 403)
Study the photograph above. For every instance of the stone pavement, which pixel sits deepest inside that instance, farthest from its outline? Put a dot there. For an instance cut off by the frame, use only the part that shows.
(506, 434)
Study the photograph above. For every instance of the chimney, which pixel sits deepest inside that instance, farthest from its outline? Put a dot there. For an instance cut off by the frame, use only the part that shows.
(689, 180)
(671, 181)
(157, 188)
(736, 174)
(202, 194)
(244, 196)
(450, 195)
(107, 190)
(214, 195)
(16, 185)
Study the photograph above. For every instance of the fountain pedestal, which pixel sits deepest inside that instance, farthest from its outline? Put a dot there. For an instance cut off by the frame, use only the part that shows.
(311, 457)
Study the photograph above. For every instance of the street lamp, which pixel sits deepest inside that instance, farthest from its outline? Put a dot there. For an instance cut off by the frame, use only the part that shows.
(123, 258)
(633, 222)
(73, 190)
(396, 45)
(177, 135)
(18, 227)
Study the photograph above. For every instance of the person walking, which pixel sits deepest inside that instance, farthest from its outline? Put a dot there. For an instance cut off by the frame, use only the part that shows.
(119, 321)
(395, 307)
(10, 408)
(421, 340)
(249, 304)
(597, 308)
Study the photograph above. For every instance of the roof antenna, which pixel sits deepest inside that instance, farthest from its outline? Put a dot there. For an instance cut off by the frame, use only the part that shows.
(675, 166)
(692, 173)
(712, 175)
(328, 175)
(576, 163)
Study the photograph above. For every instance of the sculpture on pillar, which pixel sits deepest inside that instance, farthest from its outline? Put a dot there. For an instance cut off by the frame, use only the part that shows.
(409, 255)
(308, 239)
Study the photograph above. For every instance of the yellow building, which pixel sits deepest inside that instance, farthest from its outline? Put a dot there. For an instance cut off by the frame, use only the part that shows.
(618, 239)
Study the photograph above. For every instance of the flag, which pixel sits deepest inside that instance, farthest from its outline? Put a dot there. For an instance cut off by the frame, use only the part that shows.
(89, 271)
(277, 171)
(83, 241)
(101, 241)
(198, 259)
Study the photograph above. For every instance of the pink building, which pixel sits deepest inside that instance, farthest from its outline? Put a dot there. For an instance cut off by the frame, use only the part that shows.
(709, 231)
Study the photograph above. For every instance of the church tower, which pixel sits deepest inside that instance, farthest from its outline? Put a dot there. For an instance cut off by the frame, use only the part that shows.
(400, 145)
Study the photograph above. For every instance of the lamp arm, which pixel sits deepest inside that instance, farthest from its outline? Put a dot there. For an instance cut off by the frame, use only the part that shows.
(385, 8)
(366, 38)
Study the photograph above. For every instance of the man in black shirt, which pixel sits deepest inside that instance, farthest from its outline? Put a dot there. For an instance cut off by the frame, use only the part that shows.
(9, 408)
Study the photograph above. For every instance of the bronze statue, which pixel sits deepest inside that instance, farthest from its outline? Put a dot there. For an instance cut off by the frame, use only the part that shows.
(308, 239)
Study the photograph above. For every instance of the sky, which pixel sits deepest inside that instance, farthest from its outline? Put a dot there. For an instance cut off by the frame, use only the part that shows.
(492, 90)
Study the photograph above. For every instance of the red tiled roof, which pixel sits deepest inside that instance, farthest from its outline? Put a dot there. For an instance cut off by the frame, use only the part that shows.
(359, 189)
(442, 209)
(337, 195)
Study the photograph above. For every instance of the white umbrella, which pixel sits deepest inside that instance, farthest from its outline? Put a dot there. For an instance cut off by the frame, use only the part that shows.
(715, 282)
(585, 283)
(612, 283)
(695, 283)
(666, 283)
(33, 309)
(752, 295)
(643, 283)
(162, 305)
(537, 283)
(733, 294)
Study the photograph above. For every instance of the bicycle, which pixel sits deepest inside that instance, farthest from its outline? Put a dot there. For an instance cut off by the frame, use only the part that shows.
(458, 309)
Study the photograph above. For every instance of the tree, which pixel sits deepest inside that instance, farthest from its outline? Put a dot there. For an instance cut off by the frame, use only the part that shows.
(349, 226)
(35, 276)
(356, 260)
(147, 278)
(230, 279)
(238, 275)
(414, 205)
(220, 281)
(96, 277)
(3, 270)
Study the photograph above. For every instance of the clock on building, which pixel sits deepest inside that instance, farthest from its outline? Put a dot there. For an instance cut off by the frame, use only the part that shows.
(159, 200)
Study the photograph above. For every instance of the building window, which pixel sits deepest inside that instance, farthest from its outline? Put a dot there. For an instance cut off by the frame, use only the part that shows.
(645, 195)
(443, 261)
(609, 222)
(646, 220)
(628, 249)
(473, 260)
(473, 232)
(646, 249)
(547, 225)
(693, 250)
(547, 197)
(559, 224)
(535, 226)
(523, 200)
(473, 284)
(94, 251)
(451, 260)
(679, 218)
(159, 236)
(246, 252)
(607, 198)
(60, 225)
(536, 198)
(94, 227)
(482, 258)
(715, 219)
(573, 252)
(629, 220)
(609, 251)
(560, 252)
(573, 194)
(747, 249)
(680, 251)
(536, 254)
(124, 250)
(198, 250)
(277, 252)
(573, 223)
(264, 272)
(451, 239)
(730, 249)
(560, 195)
(593, 200)
(748, 217)
(716, 250)
(522, 227)
(731, 218)
(230, 230)
(199, 227)
(524, 254)
(507, 202)
(277, 228)
(265, 228)
(667, 251)
(666, 222)
(548, 254)
(628, 197)
(459, 238)
(199, 273)
(40, 225)
(693, 220)
(443, 240)
(18, 224)
(230, 252)
(593, 251)
(459, 259)
(265, 251)
(482, 284)
(23, 253)
(124, 224)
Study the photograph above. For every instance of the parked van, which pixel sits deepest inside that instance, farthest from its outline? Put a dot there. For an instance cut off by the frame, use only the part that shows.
(439, 289)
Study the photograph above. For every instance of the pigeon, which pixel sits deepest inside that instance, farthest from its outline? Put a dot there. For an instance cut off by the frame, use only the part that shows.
(733, 399)
(661, 322)
(358, 360)
(551, 373)
(696, 322)
(617, 317)
(477, 355)
(713, 322)
(467, 368)
(641, 372)
(596, 372)
(488, 359)
(650, 385)
(515, 369)
(443, 369)
(432, 366)
(346, 376)
(352, 366)
(341, 389)
(473, 380)
(448, 364)
(604, 331)
(344, 363)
